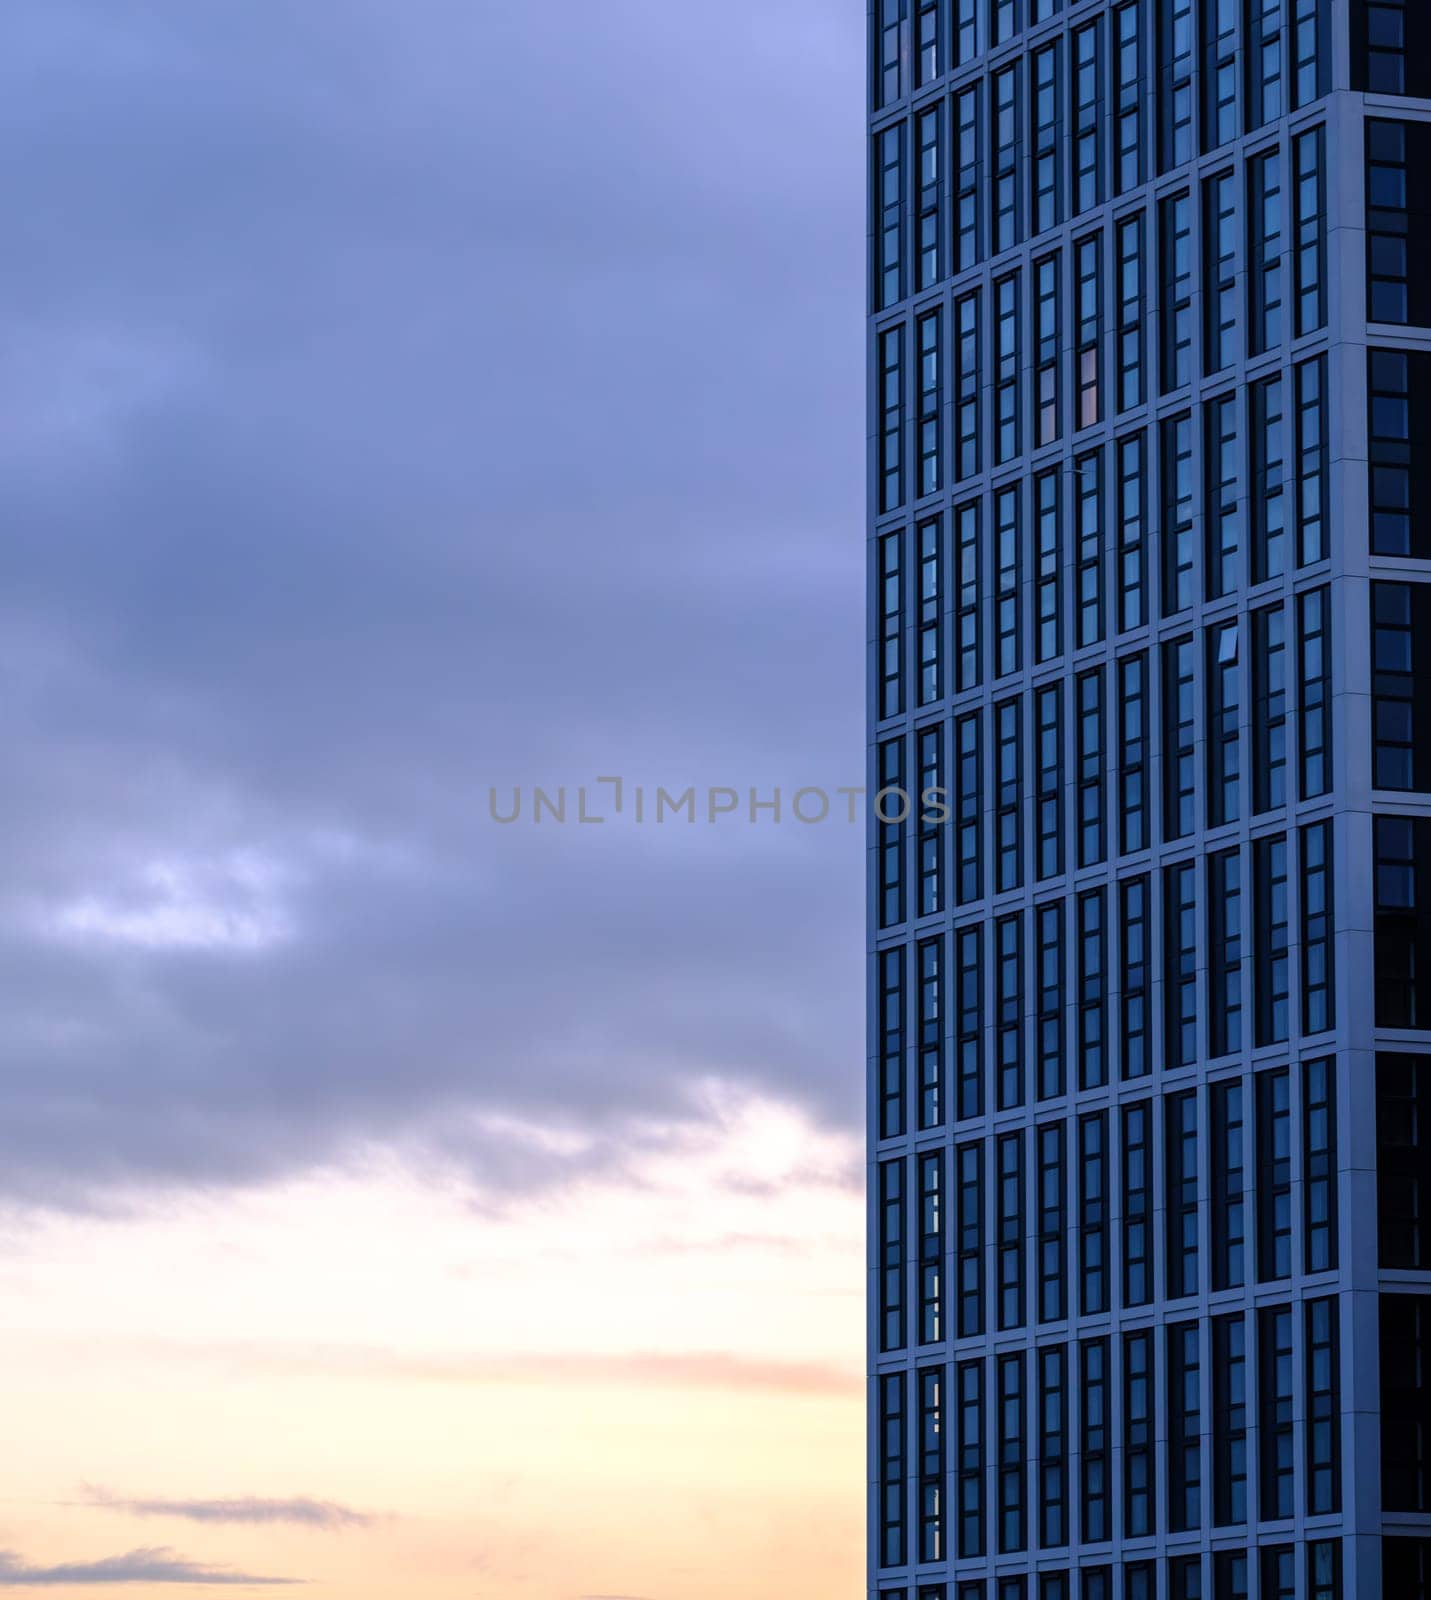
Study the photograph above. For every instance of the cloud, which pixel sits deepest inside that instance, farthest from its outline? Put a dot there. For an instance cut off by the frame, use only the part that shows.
(138, 1566)
(359, 457)
(248, 1510)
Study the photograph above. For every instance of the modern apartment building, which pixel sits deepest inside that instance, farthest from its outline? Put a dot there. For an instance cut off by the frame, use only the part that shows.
(1150, 874)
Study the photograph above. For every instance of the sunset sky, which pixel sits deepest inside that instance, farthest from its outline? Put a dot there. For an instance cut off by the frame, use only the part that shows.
(402, 400)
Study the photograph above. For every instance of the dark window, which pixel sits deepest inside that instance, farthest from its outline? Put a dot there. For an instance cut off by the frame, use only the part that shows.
(1185, 1578)
(1319, 1164)
(1400, 446)
(1095, 1457)
(1175, 92)
(1093, 1211)
(969, 1163)
(931, 587)
(1309, 289)
(1229, 1420)
(1009, 796)
(891, 591)
(1323, 1362)
(1180, 1167)
(1401, 686)
(1403, 1160)
(1048, 576)
(1264, 62)
(1006, 141)
(1269, 709)
(889, 241)
(1314, 670)
(1092, 956)
(931, 1463)
(1398, 231)
(892, 1552)
(1008, 588)
(1128, 168)
(1176, 313)
(1010, 1236)
(968, 578)
(892, 813)
(970, 1377)
(1220, 342)
(931, 1247)
(1224, 708)
(931, 403)
(1053, 1446)
(1403, 923)
(969, 158)
(1052, 1223)
(1048, 713)
(1132, 534)
(1266, 237)
(1132, 311)
(1318, 974)
(1274, 1175)
(969, 1023)
(1048, 327)
(1228, 1175)
(1222, 446)
(1391, 47)
(1279, 1572)
(891, 447)
(1311, 63)
(929, 134)
(1006, 369)
(1088, 345)
(1229, 1575)
(1089, 472)
(929, 53)
(1009, 934)
(968, 807)
(1406, 1402)
(931, 810)
(891, 1043)
(1133, 753)
(1048, 921)
(1269, 503)
(891, 32)
(1139, 1496)
(1219, 71)
(1177, 475)
(1224, 921)
(1013, 1452)
(1406, 1568)
(1324, 1569)
(966, 386)
(1137, 1204)
(1184, 1428)
(931, 1033)
(1310, 488)
(1088, 118)
(1047, 132)
(1092, 754)
(1271, 959)
(1180, 966)
(1275, 1402)
(1136, 937)
(1179, 738)
(892, 1254)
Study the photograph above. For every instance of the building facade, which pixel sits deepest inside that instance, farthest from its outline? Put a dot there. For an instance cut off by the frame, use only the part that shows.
(1149, 871)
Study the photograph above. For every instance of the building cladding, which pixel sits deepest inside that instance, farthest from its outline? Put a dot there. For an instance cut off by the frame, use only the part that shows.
(1150, 871)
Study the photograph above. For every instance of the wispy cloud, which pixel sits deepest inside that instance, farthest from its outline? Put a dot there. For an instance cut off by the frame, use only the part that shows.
(137, 1566)
(248, 1510)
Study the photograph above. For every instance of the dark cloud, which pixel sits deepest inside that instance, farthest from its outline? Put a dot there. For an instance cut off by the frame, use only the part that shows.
(398, 401)
(246, 1511)
(138, 1566)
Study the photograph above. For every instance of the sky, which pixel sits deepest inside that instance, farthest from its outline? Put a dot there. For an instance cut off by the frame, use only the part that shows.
(402, 405)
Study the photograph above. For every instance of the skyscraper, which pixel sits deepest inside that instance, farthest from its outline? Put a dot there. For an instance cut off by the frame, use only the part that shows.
(1150, 870)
